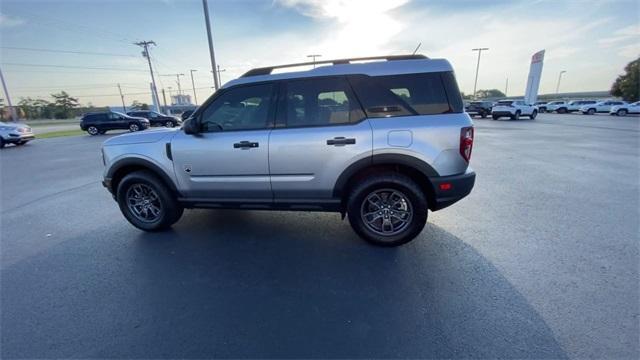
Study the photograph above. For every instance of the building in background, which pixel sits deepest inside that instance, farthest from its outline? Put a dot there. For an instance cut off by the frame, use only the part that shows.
(181, 100)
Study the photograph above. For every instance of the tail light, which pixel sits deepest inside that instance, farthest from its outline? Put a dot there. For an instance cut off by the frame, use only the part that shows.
(466, 142)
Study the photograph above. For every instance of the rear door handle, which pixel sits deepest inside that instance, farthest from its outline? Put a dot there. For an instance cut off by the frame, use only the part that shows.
(341, 140)
(246, 145)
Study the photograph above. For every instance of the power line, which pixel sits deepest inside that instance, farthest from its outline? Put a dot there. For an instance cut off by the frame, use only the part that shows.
(65, 51)
(71, 67)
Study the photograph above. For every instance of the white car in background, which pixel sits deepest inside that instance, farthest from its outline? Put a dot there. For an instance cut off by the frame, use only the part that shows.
(513, 109)
(600, 107)
(623, 110)
(15, 133)
(575, 105)
(558, 106)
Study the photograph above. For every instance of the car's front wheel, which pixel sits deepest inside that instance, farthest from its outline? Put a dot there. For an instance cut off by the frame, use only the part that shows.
(169, 124)
(591, 111)
(533, 115)
(622, 112)
(495, 117)
(2, 143)
(147, 202)
(388, 209)
(516, 116)
(133, 127)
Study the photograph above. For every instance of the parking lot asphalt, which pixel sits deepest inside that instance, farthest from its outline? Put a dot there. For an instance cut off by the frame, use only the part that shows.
(540, 261)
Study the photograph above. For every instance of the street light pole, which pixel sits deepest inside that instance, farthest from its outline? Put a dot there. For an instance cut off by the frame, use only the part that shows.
(506, 87)
(479, 50)
(193, 85)
(124, 107)
(314, 56)
(558, 84)
(216, 83)
(219, 71)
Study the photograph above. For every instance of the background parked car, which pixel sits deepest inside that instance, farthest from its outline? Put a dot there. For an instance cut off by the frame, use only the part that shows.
(575, 105)
(600, 107)
(156, 119)
(623, 110)
(558, 106)
(100, 122)
(15, 133)
(481, 108)
(542, 106)
(513, 109)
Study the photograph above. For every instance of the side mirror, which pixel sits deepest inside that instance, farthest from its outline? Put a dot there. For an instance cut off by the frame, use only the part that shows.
(190, 126)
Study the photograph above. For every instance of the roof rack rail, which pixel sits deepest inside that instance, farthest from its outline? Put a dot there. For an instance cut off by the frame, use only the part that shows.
(267, 70)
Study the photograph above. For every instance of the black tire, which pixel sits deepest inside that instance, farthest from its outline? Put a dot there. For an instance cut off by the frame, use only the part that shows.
(483, 115)
(591, 111)
(393, 183)
(170, 209)
(92, 130)
(2, 143)
(133, 127)
(562, 111)
(533, 115)
(169, 124)
(621, 112)
(543, 110)
(495, 117)
(516, 116)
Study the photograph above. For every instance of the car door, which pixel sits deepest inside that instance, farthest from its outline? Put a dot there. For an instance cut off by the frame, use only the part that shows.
(228, 158)
(320, 130)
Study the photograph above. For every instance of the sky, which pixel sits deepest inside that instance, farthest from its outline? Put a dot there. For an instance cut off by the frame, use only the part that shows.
(591, 40)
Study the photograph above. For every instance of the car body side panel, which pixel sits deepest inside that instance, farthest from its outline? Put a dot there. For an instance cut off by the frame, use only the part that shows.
(435, 139)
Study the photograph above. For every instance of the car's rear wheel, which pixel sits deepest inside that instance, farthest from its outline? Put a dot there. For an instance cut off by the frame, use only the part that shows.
(483, 114)
(516, 116)
(495, 117)
(622, 112)
(146, 202)
(591, 111)
(92, 130)
(133, 127)
(562, 111)
(533, 115)
(388, 209)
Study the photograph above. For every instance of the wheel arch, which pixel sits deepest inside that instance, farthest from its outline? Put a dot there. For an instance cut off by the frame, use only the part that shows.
(416, 169)
(122, 167)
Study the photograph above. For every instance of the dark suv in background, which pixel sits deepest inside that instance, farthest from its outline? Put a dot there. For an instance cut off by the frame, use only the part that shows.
(100, 122)
(481, 108)
(156, 119)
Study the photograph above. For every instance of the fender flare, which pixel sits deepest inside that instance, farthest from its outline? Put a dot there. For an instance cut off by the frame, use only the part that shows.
(382, 159)
(157, 170)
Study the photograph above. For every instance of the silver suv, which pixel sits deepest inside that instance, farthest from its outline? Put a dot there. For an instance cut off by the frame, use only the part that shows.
(380, 141)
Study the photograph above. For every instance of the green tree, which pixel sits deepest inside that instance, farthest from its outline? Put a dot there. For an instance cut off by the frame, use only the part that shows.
(64, 105)
(491, 93)
(136, 105)
(627, 85)
(465, 97)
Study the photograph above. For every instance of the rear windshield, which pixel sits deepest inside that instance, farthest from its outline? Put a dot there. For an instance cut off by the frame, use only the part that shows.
(408, 94)
(505, 102)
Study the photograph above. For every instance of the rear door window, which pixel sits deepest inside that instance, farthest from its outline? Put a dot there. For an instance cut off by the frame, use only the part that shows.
(319, 102)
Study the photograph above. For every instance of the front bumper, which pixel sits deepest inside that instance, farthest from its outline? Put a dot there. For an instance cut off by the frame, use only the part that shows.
(450, 189)
(12, 138)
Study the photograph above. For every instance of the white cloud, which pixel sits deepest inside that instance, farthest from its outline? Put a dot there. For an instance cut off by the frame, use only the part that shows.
(10, 21)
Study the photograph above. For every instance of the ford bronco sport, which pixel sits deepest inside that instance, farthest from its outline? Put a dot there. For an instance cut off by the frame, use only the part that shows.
(382, 141)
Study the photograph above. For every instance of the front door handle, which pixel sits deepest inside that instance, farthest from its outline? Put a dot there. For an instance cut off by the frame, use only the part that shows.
(341, 140)
(246, 145)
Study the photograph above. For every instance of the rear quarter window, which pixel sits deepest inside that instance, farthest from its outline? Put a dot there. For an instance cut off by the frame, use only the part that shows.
(408, 94)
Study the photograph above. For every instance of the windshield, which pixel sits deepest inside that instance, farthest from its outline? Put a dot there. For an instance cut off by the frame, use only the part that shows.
(119, 113)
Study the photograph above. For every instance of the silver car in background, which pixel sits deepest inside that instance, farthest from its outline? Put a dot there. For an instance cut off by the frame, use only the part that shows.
(15, 133)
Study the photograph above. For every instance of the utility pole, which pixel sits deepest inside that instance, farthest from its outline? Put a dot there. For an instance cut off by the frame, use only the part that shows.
(219, 71)
(177, 81)
(124, 107)
(193, 85)
(164, 99)
(216, 82)
(145, 53)
(314, 56)
(475, 84)
(558, 84)
(12, 110)
(506, 87)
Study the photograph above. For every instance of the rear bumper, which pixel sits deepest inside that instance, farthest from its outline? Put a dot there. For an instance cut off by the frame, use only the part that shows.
(503, 113)
(458, 187)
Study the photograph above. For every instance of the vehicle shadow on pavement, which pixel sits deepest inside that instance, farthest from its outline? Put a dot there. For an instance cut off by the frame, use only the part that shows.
(274, 285)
